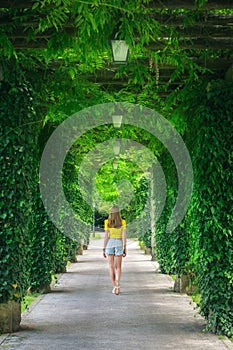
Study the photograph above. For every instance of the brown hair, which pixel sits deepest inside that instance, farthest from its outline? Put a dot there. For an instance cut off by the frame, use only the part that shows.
(114, 219)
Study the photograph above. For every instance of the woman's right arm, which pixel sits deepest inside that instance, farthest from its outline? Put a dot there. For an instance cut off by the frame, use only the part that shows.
(124, 241)
(105, 242)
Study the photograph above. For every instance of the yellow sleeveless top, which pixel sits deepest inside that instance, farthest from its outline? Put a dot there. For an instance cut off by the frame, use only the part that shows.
(114, 232)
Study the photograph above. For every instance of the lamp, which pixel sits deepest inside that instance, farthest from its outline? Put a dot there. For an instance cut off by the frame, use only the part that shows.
(116, 147)
(120, 51)
(117, 120)
(115, 164)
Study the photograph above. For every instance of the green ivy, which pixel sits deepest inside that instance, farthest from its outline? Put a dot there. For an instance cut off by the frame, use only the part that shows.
(171, 248)
(207, 108)
(146, 238)
(43, 249)
(18, 133)
(203, 243)
(211, 209)
(31, 247)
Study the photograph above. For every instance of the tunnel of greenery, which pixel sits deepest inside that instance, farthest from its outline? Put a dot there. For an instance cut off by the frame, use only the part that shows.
(55, 60)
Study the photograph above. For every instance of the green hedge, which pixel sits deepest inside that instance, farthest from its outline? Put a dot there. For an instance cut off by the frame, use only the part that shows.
(172, 249)
(211, 210)
(146, 239)
(44, 243)
(203, 243)
(51, 250)
(31, 247)
(17, 151)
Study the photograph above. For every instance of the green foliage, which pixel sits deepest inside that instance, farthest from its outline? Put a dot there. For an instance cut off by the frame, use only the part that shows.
(32, 249)
(65, 250)
(211, 207)
(18, 133)
(203, 243)
(139, 207)
(78, 40)
(7, 47)
(146, 239)
(28, 300)
(51, 250)
(171, 248)
(63, 76)
(43, 249)
(109, 186)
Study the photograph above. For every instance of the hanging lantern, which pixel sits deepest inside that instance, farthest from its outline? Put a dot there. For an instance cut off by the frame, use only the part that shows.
(120, 51)
(117, 120)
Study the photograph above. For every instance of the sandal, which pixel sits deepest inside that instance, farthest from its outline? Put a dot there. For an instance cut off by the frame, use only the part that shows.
(114, 290)
(117, 288)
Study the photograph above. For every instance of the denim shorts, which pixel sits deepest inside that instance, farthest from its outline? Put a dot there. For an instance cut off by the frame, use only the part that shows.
(114, 246)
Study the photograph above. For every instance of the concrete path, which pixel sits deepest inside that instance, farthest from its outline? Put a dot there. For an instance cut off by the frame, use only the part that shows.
(82, 313)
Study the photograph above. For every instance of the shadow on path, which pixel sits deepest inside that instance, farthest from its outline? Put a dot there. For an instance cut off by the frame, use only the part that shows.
(82, 313)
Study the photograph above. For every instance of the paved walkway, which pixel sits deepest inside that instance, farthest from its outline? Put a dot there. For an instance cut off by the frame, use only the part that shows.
(82, 313)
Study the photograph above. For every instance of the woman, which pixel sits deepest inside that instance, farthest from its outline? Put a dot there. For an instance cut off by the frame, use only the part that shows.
(115, 245)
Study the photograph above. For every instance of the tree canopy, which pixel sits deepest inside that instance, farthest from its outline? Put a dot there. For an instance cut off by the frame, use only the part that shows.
(170, 44)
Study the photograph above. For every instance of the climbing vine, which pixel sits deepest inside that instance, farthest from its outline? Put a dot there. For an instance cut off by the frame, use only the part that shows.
(211, 207)
(32, 249)
(202, 244)
(18, 133)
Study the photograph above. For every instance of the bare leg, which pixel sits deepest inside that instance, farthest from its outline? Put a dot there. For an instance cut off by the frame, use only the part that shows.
(111, 268)
(118, 262)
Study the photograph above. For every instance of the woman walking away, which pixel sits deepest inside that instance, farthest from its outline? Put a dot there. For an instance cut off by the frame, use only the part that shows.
(115, 245)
